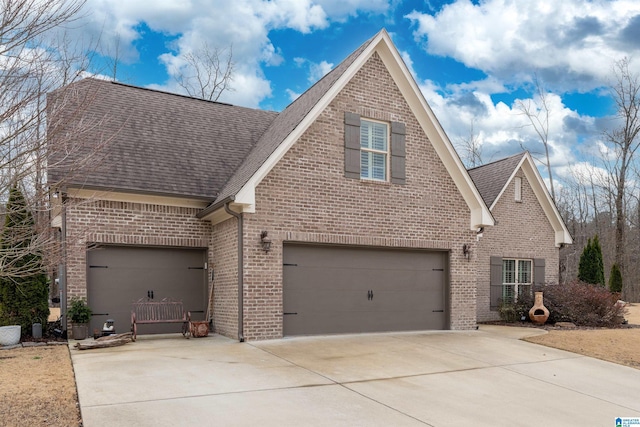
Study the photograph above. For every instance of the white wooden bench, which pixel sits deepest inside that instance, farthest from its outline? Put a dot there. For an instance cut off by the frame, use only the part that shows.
(146, 312)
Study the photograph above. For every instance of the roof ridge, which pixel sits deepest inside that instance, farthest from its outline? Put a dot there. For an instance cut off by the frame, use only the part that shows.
(165, 92)
(520, 154)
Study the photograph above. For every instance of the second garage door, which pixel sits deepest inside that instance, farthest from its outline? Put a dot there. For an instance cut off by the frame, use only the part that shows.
(120, 275)
(330, 289)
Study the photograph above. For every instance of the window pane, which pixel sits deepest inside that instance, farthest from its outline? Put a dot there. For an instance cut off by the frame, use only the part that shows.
(379, 166)
(379, 137)
(524, 271)
(508, 271)
(373, 136)
(365, 134)
(365, 169)
(508, 294)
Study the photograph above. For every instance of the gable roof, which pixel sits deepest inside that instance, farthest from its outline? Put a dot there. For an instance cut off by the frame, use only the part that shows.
(172, 145)
(294, 121)
(156, 142)
(493, 179)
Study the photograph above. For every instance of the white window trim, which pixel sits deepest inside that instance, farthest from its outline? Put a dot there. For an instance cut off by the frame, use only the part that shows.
(516, 285)
(387, 152)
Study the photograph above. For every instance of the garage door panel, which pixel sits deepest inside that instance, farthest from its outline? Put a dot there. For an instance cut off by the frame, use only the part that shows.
(118, 276)
(343, 290)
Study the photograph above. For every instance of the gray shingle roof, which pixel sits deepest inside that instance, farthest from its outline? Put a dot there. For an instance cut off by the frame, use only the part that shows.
(491, 178)
(284, 124)
(159, 142)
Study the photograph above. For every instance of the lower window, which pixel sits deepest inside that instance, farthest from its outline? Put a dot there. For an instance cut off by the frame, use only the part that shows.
(516, 279)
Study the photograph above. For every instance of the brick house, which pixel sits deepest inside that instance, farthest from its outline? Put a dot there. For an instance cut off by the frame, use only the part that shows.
(347, 212)
(522, 248)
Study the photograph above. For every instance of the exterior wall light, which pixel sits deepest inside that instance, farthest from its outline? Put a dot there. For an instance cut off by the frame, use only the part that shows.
(265, 241)
(466, 250)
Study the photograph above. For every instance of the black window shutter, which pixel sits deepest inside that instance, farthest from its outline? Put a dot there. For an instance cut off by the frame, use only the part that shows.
(398, 153)
(351, 145)
(538, 271)
(495, 285)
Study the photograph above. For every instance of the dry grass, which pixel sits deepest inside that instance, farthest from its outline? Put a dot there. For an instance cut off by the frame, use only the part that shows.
(38, 388)
(620, 346)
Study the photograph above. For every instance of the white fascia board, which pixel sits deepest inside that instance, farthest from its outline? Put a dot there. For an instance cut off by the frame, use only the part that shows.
(480, 214)
(247, 194)
(562, 235)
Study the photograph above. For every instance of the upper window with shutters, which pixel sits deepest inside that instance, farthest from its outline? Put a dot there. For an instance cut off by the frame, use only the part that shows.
(374, 150)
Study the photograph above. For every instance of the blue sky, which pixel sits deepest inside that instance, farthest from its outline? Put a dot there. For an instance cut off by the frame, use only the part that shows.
(475, 61)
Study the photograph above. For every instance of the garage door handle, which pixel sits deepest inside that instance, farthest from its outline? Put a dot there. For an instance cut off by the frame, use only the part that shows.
(437, 311)
(287, 314)
(369, 295)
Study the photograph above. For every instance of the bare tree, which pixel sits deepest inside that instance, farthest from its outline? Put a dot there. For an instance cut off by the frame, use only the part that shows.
(624, 141)
(471, 148)
(35, 59)
(538, 114)
(208, 72)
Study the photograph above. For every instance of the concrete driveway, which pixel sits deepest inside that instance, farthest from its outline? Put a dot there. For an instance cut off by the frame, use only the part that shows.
(481, 378)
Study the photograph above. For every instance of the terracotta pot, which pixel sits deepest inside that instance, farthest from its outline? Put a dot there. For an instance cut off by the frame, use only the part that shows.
(538, 313)
(199, 329)
(10, 335)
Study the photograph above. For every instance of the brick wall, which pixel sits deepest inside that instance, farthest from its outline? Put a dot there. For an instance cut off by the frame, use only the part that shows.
(306, 198)
(225, 270)
(522, 231)
(126, 223)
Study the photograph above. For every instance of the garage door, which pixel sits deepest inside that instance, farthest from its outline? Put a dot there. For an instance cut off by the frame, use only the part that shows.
(343, 290)
(118, 276)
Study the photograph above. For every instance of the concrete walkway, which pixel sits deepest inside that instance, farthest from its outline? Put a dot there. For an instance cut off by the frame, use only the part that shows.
(481, 378)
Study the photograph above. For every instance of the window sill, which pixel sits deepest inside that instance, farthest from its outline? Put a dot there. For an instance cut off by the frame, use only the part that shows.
(375, 182)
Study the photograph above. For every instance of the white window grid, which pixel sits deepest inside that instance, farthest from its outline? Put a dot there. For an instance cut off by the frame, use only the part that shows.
(374, 150)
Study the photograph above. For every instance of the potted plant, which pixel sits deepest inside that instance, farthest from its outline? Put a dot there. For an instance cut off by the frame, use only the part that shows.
(80, 314)
(9, 331)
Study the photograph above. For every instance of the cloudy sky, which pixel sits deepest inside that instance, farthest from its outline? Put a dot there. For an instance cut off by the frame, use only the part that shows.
(475, 61)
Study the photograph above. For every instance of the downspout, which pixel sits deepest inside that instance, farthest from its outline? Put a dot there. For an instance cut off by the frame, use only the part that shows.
(62, 273)
(240, 272)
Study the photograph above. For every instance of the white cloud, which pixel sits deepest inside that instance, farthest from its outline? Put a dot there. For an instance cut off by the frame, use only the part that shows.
(317, 70)
(292, 94)
(244, 24)
(502, 129)
(339, 10)
(570, 43)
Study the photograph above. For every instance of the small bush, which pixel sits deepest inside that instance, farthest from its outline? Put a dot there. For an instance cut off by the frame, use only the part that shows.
(516, 311)
(507, 312)
(582, 304)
